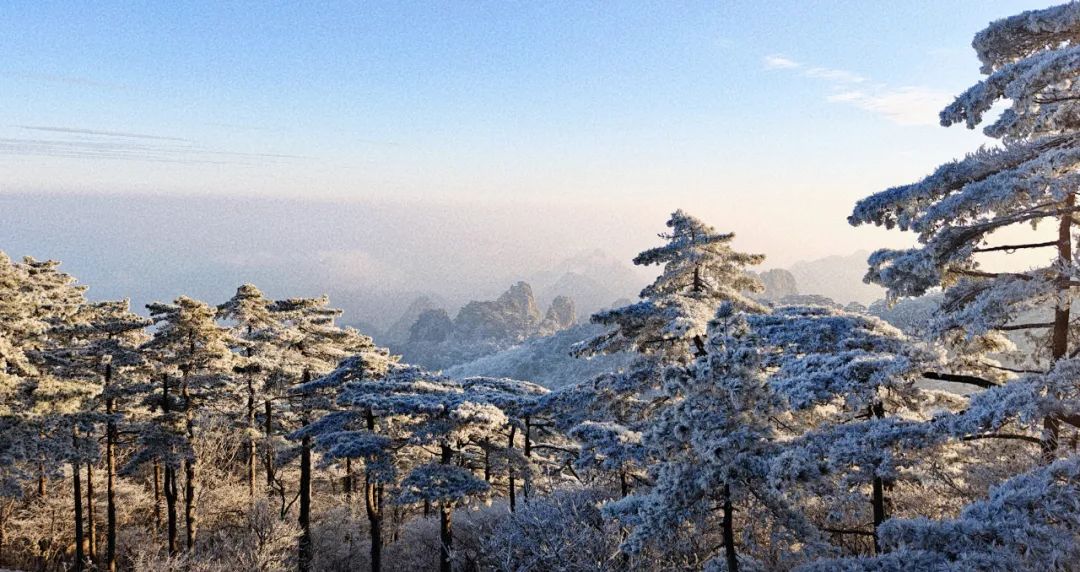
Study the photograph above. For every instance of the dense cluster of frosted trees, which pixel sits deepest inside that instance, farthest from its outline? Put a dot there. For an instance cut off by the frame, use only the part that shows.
(259, 434)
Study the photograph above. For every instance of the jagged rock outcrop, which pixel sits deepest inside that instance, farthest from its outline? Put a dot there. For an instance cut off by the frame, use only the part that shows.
(401, 330)
(779, 284)
(432, 326)
(513, 316)
(483, 327)
(561, 314)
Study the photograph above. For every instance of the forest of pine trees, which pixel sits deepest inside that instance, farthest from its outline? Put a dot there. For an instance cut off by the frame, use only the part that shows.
(259, 434)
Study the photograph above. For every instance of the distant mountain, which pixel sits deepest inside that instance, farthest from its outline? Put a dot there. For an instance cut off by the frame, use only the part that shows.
(594, 280)
(778, 283)
(837, 277)
(398, 332)
(545, 360)
(481, 327)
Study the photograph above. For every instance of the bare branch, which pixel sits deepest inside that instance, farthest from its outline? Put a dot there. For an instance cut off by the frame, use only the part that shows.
(968, 379)
(1011, 247)
(1012, 436)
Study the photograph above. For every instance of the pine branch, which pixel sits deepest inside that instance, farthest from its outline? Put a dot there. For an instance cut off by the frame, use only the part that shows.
(1012, 247)
(968, 379)
(1013, 327)
(1011, 436)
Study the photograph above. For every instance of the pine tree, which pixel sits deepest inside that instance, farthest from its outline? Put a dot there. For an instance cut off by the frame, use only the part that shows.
(100, 346)
(1030, 179)
(311, 345)
(187, 344)
(667, 327)
(255, 330)
(351, 434)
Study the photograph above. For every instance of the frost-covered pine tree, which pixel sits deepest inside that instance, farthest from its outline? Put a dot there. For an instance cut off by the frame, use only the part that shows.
(667, 326)
(522, 402)
(187, 347)
(351, 433)
(1031, 63)
(99, 347)
(255, 331)
(1028, 523)
(431, 411)
(711, 441)
(846, 386)
(311, 345)
(700, 270)
(55, 416)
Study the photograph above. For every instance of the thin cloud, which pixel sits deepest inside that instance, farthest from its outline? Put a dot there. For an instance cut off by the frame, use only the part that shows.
(779, 62)
(66, 80)
(99, 133)
(135, 150)
(909, 105)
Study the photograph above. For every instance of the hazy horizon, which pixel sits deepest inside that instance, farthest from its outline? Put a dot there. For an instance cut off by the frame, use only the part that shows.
(365, 254)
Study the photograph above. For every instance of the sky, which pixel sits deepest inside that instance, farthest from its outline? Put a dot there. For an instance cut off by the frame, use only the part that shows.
(766, 118)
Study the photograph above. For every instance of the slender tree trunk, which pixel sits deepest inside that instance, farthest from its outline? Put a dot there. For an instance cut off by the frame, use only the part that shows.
(268, 428)
(877, 498)
(305, 548)
(624, 486)
(91, 514)
(251, 434)
(110, 483)
(729, 533)
(42, 490)
(528, 458)
(1059, 343)
(170, 509)
(170, 479)
(510, 469)
(76, 480)
(190, 517)
(157, 494)
(446, 534)
(373, 505)
(487, 463)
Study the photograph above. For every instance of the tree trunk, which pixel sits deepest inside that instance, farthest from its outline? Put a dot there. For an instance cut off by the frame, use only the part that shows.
(170, 509)
(729, 533)
(373, 505)
(251, 434)
(1059, 343)
(110, 492)
(528, 458)
(305, 548)
(190, 518)
(487, 463)
(170, 479)
(91, 514)
(42, 490)
(446, 535)
(76, 479)
(624, 486)
(510, 470)
(877, 499)
(268, 428)
(157, 494)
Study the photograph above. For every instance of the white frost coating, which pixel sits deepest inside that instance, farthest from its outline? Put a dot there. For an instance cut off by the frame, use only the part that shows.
(1028, 523)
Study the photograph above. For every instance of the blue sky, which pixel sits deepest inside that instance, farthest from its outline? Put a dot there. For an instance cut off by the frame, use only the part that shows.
(735, 110)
